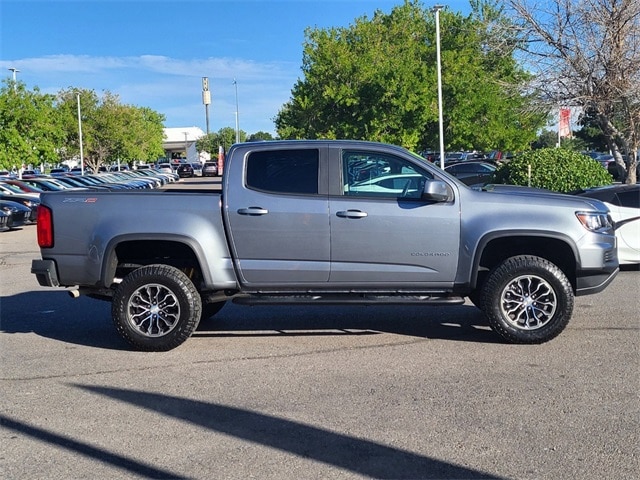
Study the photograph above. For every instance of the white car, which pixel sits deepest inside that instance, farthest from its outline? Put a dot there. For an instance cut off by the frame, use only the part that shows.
(399, 184)
(623, 201)
(165, 168)
(197, 169)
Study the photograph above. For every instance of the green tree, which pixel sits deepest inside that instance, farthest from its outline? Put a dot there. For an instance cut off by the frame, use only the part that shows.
(224, 137)
(67, 111)
(376, 80)
(111, 131)
(30, 131)
(258, 136)
(546, 139)
(587, 54)
(556, 169)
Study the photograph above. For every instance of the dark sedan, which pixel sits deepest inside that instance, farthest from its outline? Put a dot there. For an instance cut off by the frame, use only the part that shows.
(472, 173)
(18, 213)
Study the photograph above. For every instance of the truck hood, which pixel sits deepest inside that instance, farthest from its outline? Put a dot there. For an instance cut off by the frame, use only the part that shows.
(517, 194)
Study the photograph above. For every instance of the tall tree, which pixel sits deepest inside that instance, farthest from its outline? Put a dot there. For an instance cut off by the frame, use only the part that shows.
(586, 53)
(111, 131)
(376, 80)
(30, 132)
(225, 137)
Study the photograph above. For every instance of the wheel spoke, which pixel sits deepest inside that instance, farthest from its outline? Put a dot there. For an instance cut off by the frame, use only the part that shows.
(153, 310)
(528, 302)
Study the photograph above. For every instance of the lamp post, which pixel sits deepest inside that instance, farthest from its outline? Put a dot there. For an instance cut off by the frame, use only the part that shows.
(186, 156)
(14, 70)
(237, 113)
(437, 9)
(80, 136)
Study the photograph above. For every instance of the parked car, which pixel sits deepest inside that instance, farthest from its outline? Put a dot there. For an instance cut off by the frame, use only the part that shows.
(46, 184)
(197, 169)
(20, 186)
(4, 220)
(8, 188)
(185, 170)
(401, 184)
(472, 173)
(210, 169)
(165, 168)
(18, 213)
(29, 200)
(457, 157)
(624, 204)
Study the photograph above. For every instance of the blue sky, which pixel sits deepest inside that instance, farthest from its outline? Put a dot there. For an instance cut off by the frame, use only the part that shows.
(154, 53)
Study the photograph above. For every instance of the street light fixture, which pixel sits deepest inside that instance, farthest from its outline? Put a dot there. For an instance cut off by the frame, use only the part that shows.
(437, 9)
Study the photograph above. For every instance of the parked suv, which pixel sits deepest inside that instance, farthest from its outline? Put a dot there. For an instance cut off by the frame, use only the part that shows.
(185, 170)
(210, 169)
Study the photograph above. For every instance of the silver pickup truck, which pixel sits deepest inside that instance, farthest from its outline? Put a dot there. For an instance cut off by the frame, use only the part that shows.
(326, 222)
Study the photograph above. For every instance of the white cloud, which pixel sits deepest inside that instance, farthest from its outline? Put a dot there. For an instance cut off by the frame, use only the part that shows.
(173, 86)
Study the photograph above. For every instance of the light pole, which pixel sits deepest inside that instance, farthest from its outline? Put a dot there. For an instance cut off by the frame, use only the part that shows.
(80, 136)
(437, 9)
(237, 113)
(186, 156)
(14, 70)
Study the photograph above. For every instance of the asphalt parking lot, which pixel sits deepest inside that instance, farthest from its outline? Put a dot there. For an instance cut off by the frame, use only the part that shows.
(314, 392)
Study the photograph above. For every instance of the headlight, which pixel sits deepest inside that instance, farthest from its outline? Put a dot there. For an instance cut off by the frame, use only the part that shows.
(596, 221)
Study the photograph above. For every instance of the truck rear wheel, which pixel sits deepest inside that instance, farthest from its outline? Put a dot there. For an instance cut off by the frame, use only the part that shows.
(156, 308)
(527, 299)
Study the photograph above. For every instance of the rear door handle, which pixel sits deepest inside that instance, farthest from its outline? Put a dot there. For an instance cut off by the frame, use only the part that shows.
(253, 211)
(351, 214)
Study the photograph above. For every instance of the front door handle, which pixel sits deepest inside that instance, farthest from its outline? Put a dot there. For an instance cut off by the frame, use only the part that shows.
(351, 214)
(253, 211)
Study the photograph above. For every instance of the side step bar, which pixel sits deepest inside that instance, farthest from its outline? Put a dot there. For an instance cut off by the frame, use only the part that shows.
(364, 299)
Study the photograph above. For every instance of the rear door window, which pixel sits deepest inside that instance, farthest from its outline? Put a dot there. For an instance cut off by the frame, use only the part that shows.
(284, 171)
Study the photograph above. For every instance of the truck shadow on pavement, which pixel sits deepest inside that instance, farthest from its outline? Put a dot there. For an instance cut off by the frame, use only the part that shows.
(86, 321)
(357, 455)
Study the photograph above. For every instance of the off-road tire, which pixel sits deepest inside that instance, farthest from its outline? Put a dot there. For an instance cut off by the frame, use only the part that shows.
(527, 299)
(156, 308)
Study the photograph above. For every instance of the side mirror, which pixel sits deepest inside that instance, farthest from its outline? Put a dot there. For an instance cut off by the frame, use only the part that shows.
(435, 191)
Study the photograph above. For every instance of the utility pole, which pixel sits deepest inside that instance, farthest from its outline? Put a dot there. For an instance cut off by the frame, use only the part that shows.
(437, 9)
(14, 70)
(206, 99)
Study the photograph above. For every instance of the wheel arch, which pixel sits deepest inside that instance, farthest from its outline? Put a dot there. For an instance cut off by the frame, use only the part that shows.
(127, 252)
(496, 247)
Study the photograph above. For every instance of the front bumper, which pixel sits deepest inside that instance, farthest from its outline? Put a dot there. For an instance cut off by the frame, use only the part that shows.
(595, 282)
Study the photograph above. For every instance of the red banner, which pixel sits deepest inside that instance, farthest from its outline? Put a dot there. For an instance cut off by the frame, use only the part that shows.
(565, 123)
(220, 159)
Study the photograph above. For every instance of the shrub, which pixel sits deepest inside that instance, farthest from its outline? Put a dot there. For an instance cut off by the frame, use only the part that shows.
(555, 169)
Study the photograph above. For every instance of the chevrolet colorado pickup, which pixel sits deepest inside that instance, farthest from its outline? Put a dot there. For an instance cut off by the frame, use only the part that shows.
(325, 222)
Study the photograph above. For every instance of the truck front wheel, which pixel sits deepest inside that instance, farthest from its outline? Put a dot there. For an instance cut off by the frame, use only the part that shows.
(156, 308)
(527, 299)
